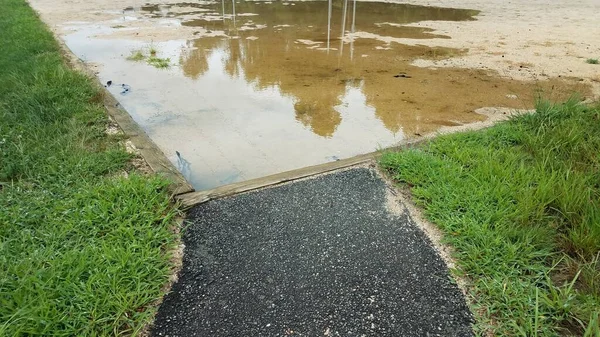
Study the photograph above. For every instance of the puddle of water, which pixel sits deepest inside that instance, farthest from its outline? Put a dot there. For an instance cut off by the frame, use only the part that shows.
(284, 85)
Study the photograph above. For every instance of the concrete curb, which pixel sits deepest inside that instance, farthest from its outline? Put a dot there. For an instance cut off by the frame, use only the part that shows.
(194, 198)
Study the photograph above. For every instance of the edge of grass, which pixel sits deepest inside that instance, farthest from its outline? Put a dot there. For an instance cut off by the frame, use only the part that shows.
(85, 240)
(520, 205)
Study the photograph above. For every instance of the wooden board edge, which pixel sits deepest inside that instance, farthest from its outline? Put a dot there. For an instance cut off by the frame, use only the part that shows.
(194, 198)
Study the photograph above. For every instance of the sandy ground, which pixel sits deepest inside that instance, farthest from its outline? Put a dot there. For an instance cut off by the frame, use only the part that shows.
(547, 38)
(524, 39)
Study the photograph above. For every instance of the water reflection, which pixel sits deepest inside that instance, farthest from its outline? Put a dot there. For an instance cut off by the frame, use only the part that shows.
(288, 45)
(270, 87)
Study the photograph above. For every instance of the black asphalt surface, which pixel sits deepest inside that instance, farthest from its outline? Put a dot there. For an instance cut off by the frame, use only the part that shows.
(318, 257)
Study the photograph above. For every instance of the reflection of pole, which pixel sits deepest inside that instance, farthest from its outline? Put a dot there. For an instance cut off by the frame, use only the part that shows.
(343, 26)
(328, 26)
(223, 6)
(353, 27)
(353, 16)
(233, 2)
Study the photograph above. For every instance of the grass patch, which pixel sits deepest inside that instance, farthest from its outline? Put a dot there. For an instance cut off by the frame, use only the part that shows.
(159, 62)
(592, 61)
(153, 51)
(520, 202)
(136, 55)
(152, 59)
(83, 250)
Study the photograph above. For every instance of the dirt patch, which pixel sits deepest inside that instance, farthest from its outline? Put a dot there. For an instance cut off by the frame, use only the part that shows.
(112, 128)
(138, 161)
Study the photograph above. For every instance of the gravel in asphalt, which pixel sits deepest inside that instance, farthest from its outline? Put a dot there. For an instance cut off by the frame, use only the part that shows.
(317, 257)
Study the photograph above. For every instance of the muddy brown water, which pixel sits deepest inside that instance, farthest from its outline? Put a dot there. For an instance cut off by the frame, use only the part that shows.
(269, 87)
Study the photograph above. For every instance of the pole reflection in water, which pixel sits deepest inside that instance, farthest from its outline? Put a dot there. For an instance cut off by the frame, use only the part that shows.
(266, 97)
(328, 25)
(233, 2)
(343, 27)
(352, 30)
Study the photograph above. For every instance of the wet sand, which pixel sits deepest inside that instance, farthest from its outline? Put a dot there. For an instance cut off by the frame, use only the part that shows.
(548, 38)
(271, 88)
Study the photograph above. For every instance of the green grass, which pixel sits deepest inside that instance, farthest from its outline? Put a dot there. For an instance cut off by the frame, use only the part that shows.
(152, 50)
(136, 55)
(153, 60)
(520, 203)
(84, 251)
(592, 61)
(159, 62)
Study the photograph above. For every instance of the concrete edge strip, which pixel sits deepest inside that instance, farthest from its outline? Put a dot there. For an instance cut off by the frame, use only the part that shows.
(194, 198)
(149, 151)
(155, 158)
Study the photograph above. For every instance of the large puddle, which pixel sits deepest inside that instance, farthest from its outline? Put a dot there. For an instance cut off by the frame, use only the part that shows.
(268, 87)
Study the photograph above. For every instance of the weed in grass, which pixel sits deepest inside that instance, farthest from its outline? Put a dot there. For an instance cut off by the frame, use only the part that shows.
(592, 61)
(136, 55)
(82, 250)
(520, 202)
(159, 62)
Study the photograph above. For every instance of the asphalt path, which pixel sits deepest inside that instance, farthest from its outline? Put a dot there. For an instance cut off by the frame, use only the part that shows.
(317, 257)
